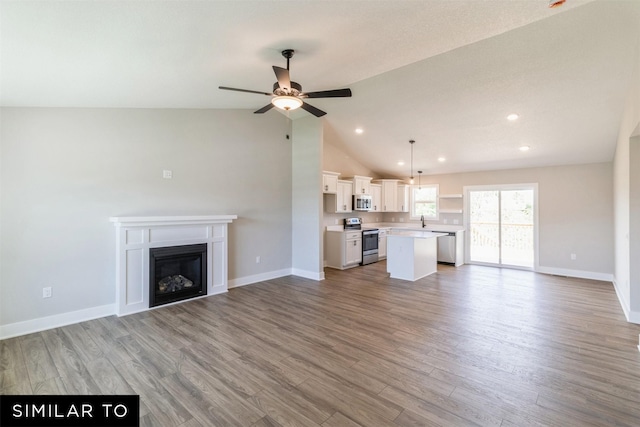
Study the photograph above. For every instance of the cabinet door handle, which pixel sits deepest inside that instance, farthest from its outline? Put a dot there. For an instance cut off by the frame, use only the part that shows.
(326, 188)
(354, 243)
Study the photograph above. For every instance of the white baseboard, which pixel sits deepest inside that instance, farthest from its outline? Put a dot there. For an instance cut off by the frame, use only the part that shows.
(55, 321)
(313, 275)
(580, 274)
(43, 323)
(255, 278)
(247, 280)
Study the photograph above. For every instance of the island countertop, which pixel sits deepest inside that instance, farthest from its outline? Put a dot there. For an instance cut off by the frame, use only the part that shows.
(416, 234)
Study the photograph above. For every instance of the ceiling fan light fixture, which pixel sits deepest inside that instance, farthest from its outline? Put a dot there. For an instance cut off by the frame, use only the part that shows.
(286, 102)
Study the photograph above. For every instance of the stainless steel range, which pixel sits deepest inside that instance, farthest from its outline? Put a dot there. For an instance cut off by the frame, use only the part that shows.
(369, 240)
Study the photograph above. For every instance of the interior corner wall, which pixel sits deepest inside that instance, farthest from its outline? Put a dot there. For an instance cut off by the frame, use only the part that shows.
(65, 171)
(624, 169)
(634, 227)
(307, 243)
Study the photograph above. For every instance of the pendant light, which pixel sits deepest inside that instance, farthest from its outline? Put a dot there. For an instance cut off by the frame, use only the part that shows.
(411, 141)
(419, 183)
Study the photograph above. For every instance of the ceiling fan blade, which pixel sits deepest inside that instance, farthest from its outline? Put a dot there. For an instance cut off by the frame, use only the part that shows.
(245, 90)
(336, 93)
(313, 110)
(282, 74)
(264, 109)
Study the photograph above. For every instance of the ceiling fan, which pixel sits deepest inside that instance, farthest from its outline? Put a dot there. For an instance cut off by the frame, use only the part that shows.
(288, 95)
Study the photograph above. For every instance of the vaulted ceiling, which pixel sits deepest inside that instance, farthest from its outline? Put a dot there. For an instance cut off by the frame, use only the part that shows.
(445, 73)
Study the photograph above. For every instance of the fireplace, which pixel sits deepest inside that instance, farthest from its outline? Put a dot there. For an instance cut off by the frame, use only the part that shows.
(177, 273)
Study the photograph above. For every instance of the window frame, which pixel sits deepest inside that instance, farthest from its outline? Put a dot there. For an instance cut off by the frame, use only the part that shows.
(412, 202)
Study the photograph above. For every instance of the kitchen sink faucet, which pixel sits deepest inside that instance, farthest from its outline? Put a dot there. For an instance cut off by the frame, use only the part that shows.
(422, 219)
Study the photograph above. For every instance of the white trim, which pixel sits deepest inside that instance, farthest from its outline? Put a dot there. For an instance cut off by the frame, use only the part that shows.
(313, 275)
(255, 278)
(43, 323)
(156, 221)
(631, 316)
(135, 236)
(413, 187)
(499, 187)
(580, 274)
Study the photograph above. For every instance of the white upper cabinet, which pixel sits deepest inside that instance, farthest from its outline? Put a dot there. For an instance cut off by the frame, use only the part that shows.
(341, 200)
(389, 194)
(330, 182)
(361, 184)
(403, 198)
(376, 197)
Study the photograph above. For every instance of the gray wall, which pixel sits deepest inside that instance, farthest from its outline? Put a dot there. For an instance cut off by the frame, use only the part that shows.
(65, 171)
(575, 211)
(307, 242)
(624, 168)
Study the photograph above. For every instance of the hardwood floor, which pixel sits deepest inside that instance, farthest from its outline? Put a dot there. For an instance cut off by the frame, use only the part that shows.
(467, 346)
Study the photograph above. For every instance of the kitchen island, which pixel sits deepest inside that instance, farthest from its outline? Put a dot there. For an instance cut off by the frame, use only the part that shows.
(412, 254)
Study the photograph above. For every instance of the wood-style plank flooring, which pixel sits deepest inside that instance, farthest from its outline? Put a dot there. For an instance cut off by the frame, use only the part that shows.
(467, 346)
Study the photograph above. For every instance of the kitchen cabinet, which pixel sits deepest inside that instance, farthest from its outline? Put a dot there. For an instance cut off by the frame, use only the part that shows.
(341, 201)
(389, 194)
(343, 249)
(376, 197)
(403, 198)
(382, 243)
(330, 182)
(412, 254)
(361, 184)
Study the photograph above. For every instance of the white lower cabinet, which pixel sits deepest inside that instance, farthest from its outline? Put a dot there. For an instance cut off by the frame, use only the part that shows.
(382, 243)
(343, 249)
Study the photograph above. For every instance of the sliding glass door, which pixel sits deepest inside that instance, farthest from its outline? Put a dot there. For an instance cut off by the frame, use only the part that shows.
(501, 225)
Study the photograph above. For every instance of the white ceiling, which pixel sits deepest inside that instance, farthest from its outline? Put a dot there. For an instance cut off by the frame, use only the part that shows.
(445, 73)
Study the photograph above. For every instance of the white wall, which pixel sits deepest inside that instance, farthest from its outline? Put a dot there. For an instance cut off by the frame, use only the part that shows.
(628, 290)
(65, 171)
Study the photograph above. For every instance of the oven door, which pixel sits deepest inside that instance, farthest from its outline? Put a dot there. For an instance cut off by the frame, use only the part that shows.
(369, 246)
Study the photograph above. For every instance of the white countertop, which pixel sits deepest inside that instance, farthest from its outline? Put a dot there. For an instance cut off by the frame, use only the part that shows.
(415, 226)
(414, 234)
(402, 226)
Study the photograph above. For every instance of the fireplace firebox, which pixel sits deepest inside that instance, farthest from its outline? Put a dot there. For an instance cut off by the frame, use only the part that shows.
(177, 273)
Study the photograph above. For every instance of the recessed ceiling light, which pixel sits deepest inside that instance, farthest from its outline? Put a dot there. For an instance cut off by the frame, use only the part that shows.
(359, 131)
(441, 159)
(400, 163)
(525, 148)
(512, 117)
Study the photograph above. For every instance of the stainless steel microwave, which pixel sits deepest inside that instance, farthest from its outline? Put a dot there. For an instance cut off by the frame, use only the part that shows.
(362, 202)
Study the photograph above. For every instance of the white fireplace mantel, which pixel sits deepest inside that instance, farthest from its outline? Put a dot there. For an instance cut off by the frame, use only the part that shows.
(135, 235)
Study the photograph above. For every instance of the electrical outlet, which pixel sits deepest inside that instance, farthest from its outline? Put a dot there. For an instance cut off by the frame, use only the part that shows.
(337, 221)
(167, 174)
(401, 219)
(456, 222)
(46, 292)
(258, 259)
(445, 221)
(573, 257)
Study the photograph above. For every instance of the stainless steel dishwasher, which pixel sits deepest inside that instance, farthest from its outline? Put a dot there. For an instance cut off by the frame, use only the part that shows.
(447, 247)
